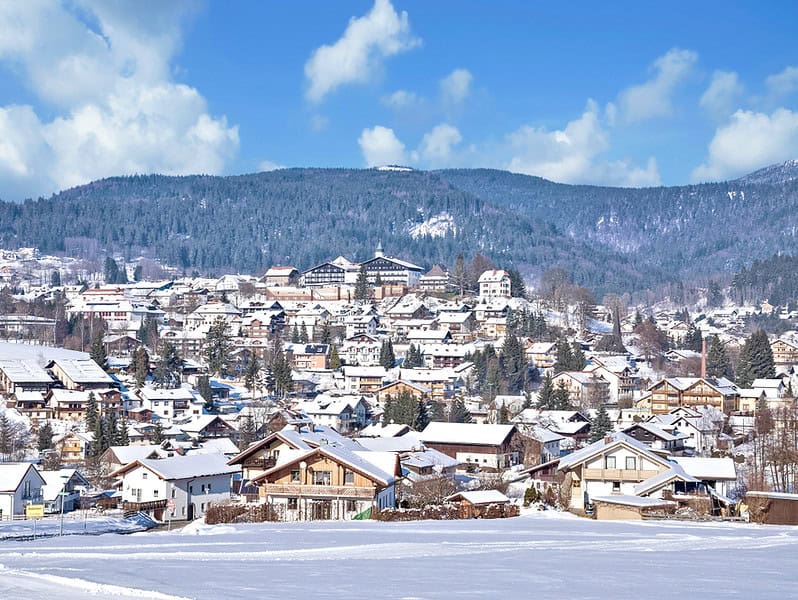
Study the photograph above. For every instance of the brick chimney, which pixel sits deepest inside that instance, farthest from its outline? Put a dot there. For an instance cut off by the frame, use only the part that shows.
(703, 359)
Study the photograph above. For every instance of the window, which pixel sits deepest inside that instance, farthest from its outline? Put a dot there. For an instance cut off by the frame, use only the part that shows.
(295, 476)
(173, 492)
(616, 487)
(191, 489)
(202, 489)
(349, 477)
(609, 462)
(322, 478)
(154, 493)
(631, 463)
(293, 503)
(144, 475)
(209, 488)
(351, 505)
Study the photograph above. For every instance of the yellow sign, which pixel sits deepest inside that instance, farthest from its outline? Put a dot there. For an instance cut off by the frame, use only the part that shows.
(34, 511)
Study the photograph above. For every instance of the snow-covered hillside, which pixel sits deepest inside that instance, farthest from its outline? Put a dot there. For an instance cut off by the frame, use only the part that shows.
(435, 226)
(544, 556)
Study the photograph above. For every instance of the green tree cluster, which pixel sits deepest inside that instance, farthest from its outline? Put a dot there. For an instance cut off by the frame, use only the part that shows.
(756, 360)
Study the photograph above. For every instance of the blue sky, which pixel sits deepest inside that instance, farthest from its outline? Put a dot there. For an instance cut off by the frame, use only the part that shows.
(617, 93)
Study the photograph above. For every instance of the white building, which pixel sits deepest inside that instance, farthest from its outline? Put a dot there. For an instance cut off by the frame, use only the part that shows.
(494, 283)
(20, 485)
(192, 483)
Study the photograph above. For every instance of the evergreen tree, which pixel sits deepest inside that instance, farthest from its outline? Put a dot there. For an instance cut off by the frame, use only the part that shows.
(97, 442)
(546, 399)
(55, 279)
(601, 425)
(492, 380)
(247, 433)
(756, 360)
(157, 433)
(6, 437)
(564, 359)
(295, 334)
(578, 360)
(111, 270)
(362, 287)
(303, 335)
(514, 363)
(206, 391)
(335, 360)
(218, 347)
(169, 367)
(718, 361)
(562, 397)
(517, 286)
(251, 374)
(148, 333)
(414, 358)
(436, 412)
(422, 418)
(45, 437)
(141, 359)
(458, 413)
(693, 340)
(325, 336)
(388, 410)
(98, 353)
(138, 273)
(387, 358)
(122, 438)
(281, 370)
(503, 416)
(92, 414)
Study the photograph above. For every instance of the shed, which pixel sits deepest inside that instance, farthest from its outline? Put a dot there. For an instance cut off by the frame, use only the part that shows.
(628, 508)
(479, 504)
(772, 508)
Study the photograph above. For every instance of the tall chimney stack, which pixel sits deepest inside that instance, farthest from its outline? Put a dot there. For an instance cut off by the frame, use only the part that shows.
(703, 358)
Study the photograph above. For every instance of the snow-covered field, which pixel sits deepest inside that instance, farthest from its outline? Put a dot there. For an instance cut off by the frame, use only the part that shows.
(540, 556)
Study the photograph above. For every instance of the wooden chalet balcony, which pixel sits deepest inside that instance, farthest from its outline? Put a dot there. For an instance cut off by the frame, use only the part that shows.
(260, 463)
(317, 491)
(137, 506)
(618, 474)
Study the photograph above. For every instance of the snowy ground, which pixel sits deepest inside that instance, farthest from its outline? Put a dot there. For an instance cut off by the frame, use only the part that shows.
(75, 523)
(542, 556)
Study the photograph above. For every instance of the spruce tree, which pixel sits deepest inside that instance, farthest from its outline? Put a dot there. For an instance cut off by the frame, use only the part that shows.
(169, 367)
(756, 360)
(718, 361)
(503, 416)
(205, 390)
(141, 359)
(458, 413)
(325, 336)
(693, 340)
(295, 334)
(362, 287)
(92, 414)
(303, 335)
(388, 410)
(251, 374)
(564, 357)
(578, 360)
(460, 274)
(335, 359)
(546, 399)
(562, 397)
(122, 438)
(436, 412)
(98, 353)
(157, 433)
(218, 347)
(601, 425)
(422, 417)
(45, 437)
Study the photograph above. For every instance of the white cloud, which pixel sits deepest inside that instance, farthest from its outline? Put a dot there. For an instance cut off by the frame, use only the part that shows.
(319, 123)
(653, 98)
(722, 94)
(749, 141)
(436, 145)
(456, 86)
(401, 99)
(380, 146)
(573, 154)
(108, 83)
(784, 83)
(358, 53)
(267, 165)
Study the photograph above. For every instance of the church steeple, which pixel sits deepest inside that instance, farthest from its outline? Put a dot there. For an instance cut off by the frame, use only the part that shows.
(378, 253)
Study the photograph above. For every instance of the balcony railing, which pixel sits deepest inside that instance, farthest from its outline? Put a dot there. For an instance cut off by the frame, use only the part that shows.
(618, 474)
(153, 504)
(317, 491)
(260, 463)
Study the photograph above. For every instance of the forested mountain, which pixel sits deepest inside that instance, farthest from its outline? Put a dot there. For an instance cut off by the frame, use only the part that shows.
(610, 239)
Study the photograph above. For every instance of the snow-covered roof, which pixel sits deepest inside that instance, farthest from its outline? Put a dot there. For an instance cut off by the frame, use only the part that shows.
(480, 497)
(12, 474)
(660, 479)
(183, 467)
(601, 445)
(492, 276)
(24, 371)
(711, 469)
(390, 430)
(636, 501)
(466, 433)
(127, 454)
(82, 370)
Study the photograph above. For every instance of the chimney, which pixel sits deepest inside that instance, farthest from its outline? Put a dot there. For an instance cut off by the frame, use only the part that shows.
(608, 439)
(703, 359)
